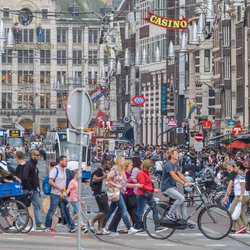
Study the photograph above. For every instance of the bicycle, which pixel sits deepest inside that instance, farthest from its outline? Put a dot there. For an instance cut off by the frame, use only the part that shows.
(14, 215)
(213, 221)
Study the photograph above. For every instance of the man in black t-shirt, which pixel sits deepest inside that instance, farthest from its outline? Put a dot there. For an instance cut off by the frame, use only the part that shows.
(98, 187)
(230, 181)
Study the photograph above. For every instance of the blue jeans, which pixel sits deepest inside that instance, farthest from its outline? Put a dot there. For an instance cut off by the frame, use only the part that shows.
(55, 200)
(74, 205)
(142, 201)
(123, 209)
(36, 201)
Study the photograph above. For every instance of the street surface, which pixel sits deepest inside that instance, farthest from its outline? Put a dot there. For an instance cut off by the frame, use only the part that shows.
(187, 239)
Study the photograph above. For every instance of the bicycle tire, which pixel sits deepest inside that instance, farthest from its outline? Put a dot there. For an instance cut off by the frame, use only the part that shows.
(149, 224)
(219, 222)
(29, 226)
(14, 216)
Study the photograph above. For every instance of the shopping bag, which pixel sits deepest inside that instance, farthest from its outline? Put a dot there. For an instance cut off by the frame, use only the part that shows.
(237, 211)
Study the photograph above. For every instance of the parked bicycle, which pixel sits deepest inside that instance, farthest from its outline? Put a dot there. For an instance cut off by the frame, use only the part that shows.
(213, 221)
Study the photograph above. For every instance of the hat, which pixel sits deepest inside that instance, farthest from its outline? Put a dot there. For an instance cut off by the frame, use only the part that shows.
(186, 173)
(231, 163)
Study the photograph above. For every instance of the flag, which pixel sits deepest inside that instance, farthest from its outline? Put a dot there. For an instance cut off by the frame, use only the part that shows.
(96, 94)
(104, 89)
(191, 107)
(100, 118)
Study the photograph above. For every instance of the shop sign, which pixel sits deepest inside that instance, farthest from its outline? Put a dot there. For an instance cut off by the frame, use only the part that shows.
(167, 23)
(138, 100)
(164, 99)
(38, 46)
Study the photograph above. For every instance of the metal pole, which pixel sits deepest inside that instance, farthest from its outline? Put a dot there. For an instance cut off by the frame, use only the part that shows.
(80, 177)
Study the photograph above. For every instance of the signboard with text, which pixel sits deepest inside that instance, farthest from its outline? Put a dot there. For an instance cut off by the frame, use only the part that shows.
(15, 133)
(164, 99)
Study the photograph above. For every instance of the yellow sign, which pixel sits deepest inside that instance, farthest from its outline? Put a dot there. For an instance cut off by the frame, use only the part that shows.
(14, 133)
(167, 23)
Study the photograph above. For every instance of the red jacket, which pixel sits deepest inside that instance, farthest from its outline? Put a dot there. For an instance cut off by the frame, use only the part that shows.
(144, 178)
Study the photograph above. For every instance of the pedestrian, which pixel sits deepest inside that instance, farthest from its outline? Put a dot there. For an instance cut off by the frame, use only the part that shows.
(117, 179)
(241, 196)
(58, 181)
(5, 165)
(30, 177)
(100, 193)
(145, 194)
(130, 200)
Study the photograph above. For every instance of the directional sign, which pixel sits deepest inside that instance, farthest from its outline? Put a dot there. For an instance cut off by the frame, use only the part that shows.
(198, 146)
(179, 130)
(198, 137)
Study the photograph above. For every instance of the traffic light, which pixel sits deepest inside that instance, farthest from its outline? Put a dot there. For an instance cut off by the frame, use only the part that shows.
(187, 137)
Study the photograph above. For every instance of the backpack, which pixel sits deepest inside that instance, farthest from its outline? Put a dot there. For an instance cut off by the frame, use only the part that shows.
(208, 175)
(46, 185)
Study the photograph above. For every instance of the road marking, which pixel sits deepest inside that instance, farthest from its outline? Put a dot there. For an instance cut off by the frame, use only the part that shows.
(165, 245)
(62, 237)
(216, 245)
(17, 239)
(240, 235)
(191, 234)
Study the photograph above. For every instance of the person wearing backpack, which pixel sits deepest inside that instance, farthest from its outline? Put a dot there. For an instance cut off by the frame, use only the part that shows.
(58, 181)
(97, 184)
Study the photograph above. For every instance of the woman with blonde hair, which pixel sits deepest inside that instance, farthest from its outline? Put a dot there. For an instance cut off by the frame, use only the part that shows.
(117, 179)
(145, 193)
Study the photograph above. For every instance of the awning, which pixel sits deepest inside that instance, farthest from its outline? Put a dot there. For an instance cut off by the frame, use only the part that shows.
(220, 136)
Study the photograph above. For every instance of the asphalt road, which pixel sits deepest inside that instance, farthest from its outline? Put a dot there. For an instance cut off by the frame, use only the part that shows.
(187, 239)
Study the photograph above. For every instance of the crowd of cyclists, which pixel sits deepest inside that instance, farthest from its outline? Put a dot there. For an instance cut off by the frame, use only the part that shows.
(124, 186)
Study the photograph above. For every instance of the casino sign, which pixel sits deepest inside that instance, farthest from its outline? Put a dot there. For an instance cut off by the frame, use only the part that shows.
(167, 23)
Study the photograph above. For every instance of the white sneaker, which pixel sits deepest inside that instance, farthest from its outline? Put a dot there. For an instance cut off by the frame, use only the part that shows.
(133, 231)
(105, 231)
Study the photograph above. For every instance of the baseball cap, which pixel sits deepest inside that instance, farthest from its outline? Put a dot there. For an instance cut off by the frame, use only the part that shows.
(231, 163)
(186, 173)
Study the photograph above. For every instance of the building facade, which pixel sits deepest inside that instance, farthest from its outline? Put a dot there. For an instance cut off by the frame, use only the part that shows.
(56, 49)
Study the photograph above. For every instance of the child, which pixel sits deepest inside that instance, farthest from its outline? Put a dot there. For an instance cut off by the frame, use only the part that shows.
(72, 191)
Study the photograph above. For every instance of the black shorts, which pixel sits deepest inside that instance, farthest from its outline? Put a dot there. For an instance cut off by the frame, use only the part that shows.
(102, 202)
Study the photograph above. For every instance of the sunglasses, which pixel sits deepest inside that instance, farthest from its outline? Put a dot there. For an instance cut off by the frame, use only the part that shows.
(37, 155)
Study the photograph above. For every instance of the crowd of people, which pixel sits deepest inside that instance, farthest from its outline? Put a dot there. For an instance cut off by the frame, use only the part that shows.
(122, 187)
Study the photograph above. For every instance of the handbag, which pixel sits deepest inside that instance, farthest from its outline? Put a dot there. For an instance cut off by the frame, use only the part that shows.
(237, 211)
(131, 201)
(148, 194)
(113, 193)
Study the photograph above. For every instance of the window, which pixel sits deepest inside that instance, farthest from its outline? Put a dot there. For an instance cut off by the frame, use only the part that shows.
(207, 60)
(25, 77)
(25, 100)
(44, 13)
(239, 60)
(6, 12)
(61, 35)
(44, 100)
(45, 77)
(106, 57)
(47, 35)
(77, 56)
(61, 56)
(45, 56)
(211, 102)
(198, 99)
(25, 56)
(77, 77)
(61, 100)
(7, 56)
(211, 111)
(93, 36)
(77, 36)
(92, 79)
(61, 77)
(227, 67)
(226, 35)
(27, 36)
(6, 77)
(6, 100)
(93, 57)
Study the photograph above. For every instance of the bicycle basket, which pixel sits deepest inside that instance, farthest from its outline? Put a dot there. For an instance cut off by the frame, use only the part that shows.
(11, 189)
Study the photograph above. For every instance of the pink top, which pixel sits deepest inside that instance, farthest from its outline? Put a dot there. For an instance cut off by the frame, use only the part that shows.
(129, 191)
(73, 188)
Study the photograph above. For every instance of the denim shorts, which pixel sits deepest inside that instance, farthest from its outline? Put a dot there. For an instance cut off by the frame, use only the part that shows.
(74, 205)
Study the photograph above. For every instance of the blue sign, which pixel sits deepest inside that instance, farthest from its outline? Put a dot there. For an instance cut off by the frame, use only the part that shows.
(230, 122)
(164, 99)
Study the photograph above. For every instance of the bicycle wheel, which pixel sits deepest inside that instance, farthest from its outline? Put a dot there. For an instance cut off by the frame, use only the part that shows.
(214, 222)
(152, 221)
(14, 216)
(28, 226)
